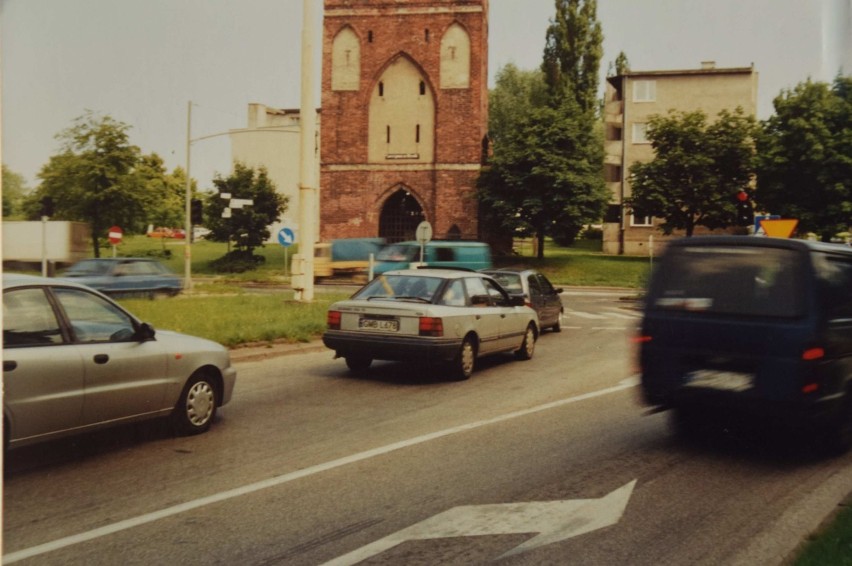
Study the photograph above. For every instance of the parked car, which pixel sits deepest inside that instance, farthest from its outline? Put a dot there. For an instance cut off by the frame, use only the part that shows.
(161, 232)
(538, 292)
(125, 276)
(75, 361)
(436, 253)
(439, 316)
(755, 326)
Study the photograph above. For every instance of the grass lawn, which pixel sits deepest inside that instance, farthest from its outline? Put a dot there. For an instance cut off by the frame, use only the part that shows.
(833, 545)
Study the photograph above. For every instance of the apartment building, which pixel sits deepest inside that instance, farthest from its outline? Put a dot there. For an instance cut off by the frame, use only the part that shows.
(271, 139)
(631, 99)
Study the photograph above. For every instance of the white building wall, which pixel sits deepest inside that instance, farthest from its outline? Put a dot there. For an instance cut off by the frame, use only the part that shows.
(271, 139)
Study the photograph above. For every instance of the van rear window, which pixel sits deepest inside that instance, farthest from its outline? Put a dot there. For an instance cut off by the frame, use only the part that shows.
(735, 280)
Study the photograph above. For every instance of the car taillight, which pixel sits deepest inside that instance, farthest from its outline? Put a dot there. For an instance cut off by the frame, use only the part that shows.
(333, 320)
(431, 326)
(813, 354)
(636, 343)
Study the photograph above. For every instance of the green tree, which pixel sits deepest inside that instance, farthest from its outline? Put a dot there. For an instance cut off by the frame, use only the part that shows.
(14, 190)
(620, 66)
(94, 178)
(572, 53)
(697, 170)
(546, 173)
(247, 227)
(535, 183)
(805, 157)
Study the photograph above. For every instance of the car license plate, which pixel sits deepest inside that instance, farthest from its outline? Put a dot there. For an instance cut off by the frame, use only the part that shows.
(722, 380)
(381, 324)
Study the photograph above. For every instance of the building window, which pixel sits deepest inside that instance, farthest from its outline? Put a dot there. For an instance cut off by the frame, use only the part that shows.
(417, 134)
(370, 36)
(427, 36)
(387, 133)
(640, 133)
(381, 88)
(640, 218)
(422, 88)
(644, 91)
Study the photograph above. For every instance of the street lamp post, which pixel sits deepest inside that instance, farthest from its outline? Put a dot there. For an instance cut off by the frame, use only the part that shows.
(187, 238)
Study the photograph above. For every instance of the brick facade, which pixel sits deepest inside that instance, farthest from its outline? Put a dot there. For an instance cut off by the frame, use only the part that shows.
(405, 35)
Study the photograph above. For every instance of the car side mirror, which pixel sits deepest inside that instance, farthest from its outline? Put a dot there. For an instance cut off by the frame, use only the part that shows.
(559, 290)
(145, 332)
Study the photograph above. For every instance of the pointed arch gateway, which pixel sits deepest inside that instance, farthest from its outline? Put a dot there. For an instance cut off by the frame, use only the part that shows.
(400, 216)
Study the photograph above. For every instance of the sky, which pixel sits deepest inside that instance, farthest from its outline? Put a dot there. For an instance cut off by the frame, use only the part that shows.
(142, 61)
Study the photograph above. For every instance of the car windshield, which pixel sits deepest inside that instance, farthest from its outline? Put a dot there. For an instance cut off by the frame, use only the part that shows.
(509, 281)
(87, 267)
(745, 281)
(401, 287)
(398, 252)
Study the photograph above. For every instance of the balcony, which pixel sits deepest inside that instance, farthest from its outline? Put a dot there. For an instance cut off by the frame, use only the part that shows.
(614, 112)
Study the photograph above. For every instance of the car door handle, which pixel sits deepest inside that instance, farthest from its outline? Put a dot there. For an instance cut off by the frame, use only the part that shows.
(101, 359)
(9, 365)
(502, 316)
(478, 317)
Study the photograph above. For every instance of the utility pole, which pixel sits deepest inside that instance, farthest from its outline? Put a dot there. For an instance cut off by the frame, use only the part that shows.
(187, 238)
(303, 269)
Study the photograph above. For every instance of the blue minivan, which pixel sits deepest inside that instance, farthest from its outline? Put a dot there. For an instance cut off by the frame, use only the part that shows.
(436, 253)
(749, 325)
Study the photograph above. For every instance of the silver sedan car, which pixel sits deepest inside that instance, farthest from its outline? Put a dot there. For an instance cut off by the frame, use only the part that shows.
(439, 316)
(74, 361)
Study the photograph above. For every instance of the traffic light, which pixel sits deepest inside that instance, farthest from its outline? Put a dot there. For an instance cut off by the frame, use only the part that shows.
(196, 211)
(745, 210)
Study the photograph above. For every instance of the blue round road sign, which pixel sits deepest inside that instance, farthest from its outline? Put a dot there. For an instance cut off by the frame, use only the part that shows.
(286, 237)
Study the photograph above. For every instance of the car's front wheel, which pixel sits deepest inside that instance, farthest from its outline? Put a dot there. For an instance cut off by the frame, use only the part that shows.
(197, 405)
(527, 349)
(465, 361)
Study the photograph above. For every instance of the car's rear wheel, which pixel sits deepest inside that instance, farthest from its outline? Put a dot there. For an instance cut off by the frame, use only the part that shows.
(197, 405)
(527, 349)
(558, 326)
(358, 363)
(465, 361)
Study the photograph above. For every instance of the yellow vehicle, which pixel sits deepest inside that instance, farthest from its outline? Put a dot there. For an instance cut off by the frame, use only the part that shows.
(348, 257)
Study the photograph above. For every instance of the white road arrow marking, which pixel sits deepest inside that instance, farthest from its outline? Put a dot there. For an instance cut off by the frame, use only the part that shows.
(554, 521)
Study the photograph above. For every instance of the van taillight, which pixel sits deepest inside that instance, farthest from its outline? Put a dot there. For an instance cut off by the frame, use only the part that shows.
(431, 326)
(333, 320)
(813, 354)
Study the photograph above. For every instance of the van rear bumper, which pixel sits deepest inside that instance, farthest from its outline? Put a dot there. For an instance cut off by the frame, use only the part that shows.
(807, 408)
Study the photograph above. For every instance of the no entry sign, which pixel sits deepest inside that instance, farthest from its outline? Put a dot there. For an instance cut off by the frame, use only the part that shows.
(115, 235)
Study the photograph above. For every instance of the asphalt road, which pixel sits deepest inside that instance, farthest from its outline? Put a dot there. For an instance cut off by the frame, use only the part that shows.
(549, 461)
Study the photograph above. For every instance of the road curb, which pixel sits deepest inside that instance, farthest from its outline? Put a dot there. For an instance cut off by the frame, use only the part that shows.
(258, 352)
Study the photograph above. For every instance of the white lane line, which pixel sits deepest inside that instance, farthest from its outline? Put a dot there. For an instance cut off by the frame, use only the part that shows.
(285, 478)
(582, 314)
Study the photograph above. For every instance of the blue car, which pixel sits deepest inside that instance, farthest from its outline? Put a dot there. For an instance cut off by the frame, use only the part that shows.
(125, 276)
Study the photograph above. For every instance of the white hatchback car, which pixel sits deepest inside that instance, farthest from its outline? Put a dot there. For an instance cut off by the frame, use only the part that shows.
(73, 361)
(433, 316)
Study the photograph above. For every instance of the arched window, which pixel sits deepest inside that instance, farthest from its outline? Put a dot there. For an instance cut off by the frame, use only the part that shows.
(345, 61)
(455, 58)
(401, 101)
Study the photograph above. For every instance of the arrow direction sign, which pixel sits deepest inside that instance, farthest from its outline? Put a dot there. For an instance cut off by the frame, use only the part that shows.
(554, 521)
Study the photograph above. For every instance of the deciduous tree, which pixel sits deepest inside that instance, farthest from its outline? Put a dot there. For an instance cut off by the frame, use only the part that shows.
(697, 170)
(805, 163)
(247, 227)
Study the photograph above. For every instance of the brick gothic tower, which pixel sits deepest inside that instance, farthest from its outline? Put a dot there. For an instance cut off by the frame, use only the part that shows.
(404, 117)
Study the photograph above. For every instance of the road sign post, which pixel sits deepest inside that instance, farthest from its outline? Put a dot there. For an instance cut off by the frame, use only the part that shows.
(424, 235)
(115, 234)
(286, 237)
